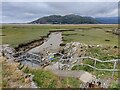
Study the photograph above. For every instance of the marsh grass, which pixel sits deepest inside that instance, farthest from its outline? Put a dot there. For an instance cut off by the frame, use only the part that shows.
(90, 34)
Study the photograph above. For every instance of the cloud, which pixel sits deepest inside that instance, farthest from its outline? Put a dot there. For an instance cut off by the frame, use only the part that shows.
(60, 1)
(85, 8)
(28, 11)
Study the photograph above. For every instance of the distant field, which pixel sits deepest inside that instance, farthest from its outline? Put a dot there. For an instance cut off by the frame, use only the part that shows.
(89, 34)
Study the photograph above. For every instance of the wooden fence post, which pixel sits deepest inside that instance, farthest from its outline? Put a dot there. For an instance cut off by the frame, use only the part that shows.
(114, 68)
(95, 63)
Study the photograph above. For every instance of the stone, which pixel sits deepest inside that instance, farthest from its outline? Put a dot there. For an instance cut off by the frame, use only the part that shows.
(75, 49)
(27, 79)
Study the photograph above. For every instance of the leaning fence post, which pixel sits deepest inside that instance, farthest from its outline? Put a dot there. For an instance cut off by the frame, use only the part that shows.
(95, 63)
(114, 69)
(58, 66)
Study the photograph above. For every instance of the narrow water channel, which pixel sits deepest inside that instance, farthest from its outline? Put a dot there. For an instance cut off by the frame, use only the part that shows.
(51, 44)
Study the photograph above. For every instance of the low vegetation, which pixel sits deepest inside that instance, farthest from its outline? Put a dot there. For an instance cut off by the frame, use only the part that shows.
(0, 73)
(46, 79)
(115, 84)
(12, 77)
(89, 34)
(103, 53)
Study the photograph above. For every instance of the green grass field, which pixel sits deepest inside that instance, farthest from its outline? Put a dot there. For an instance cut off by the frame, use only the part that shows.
(89, 34)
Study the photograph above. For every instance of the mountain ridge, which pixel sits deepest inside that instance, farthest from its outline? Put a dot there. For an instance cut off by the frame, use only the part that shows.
(67, 19)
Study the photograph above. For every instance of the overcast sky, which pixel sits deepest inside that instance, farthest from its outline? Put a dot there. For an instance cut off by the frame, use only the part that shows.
(15, 12)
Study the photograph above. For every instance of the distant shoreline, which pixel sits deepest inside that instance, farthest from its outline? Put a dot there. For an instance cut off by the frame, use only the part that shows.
(52, 24)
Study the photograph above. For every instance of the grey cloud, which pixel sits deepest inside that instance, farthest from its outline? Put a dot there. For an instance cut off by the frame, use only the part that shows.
(85, 8)
(28, 11)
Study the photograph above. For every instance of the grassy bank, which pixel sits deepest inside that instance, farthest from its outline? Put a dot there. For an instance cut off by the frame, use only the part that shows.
(47, 79)
(1, 72)
(102, 54)
(12, 77)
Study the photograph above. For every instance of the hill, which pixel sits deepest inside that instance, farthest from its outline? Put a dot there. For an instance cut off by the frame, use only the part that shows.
(67, 19)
